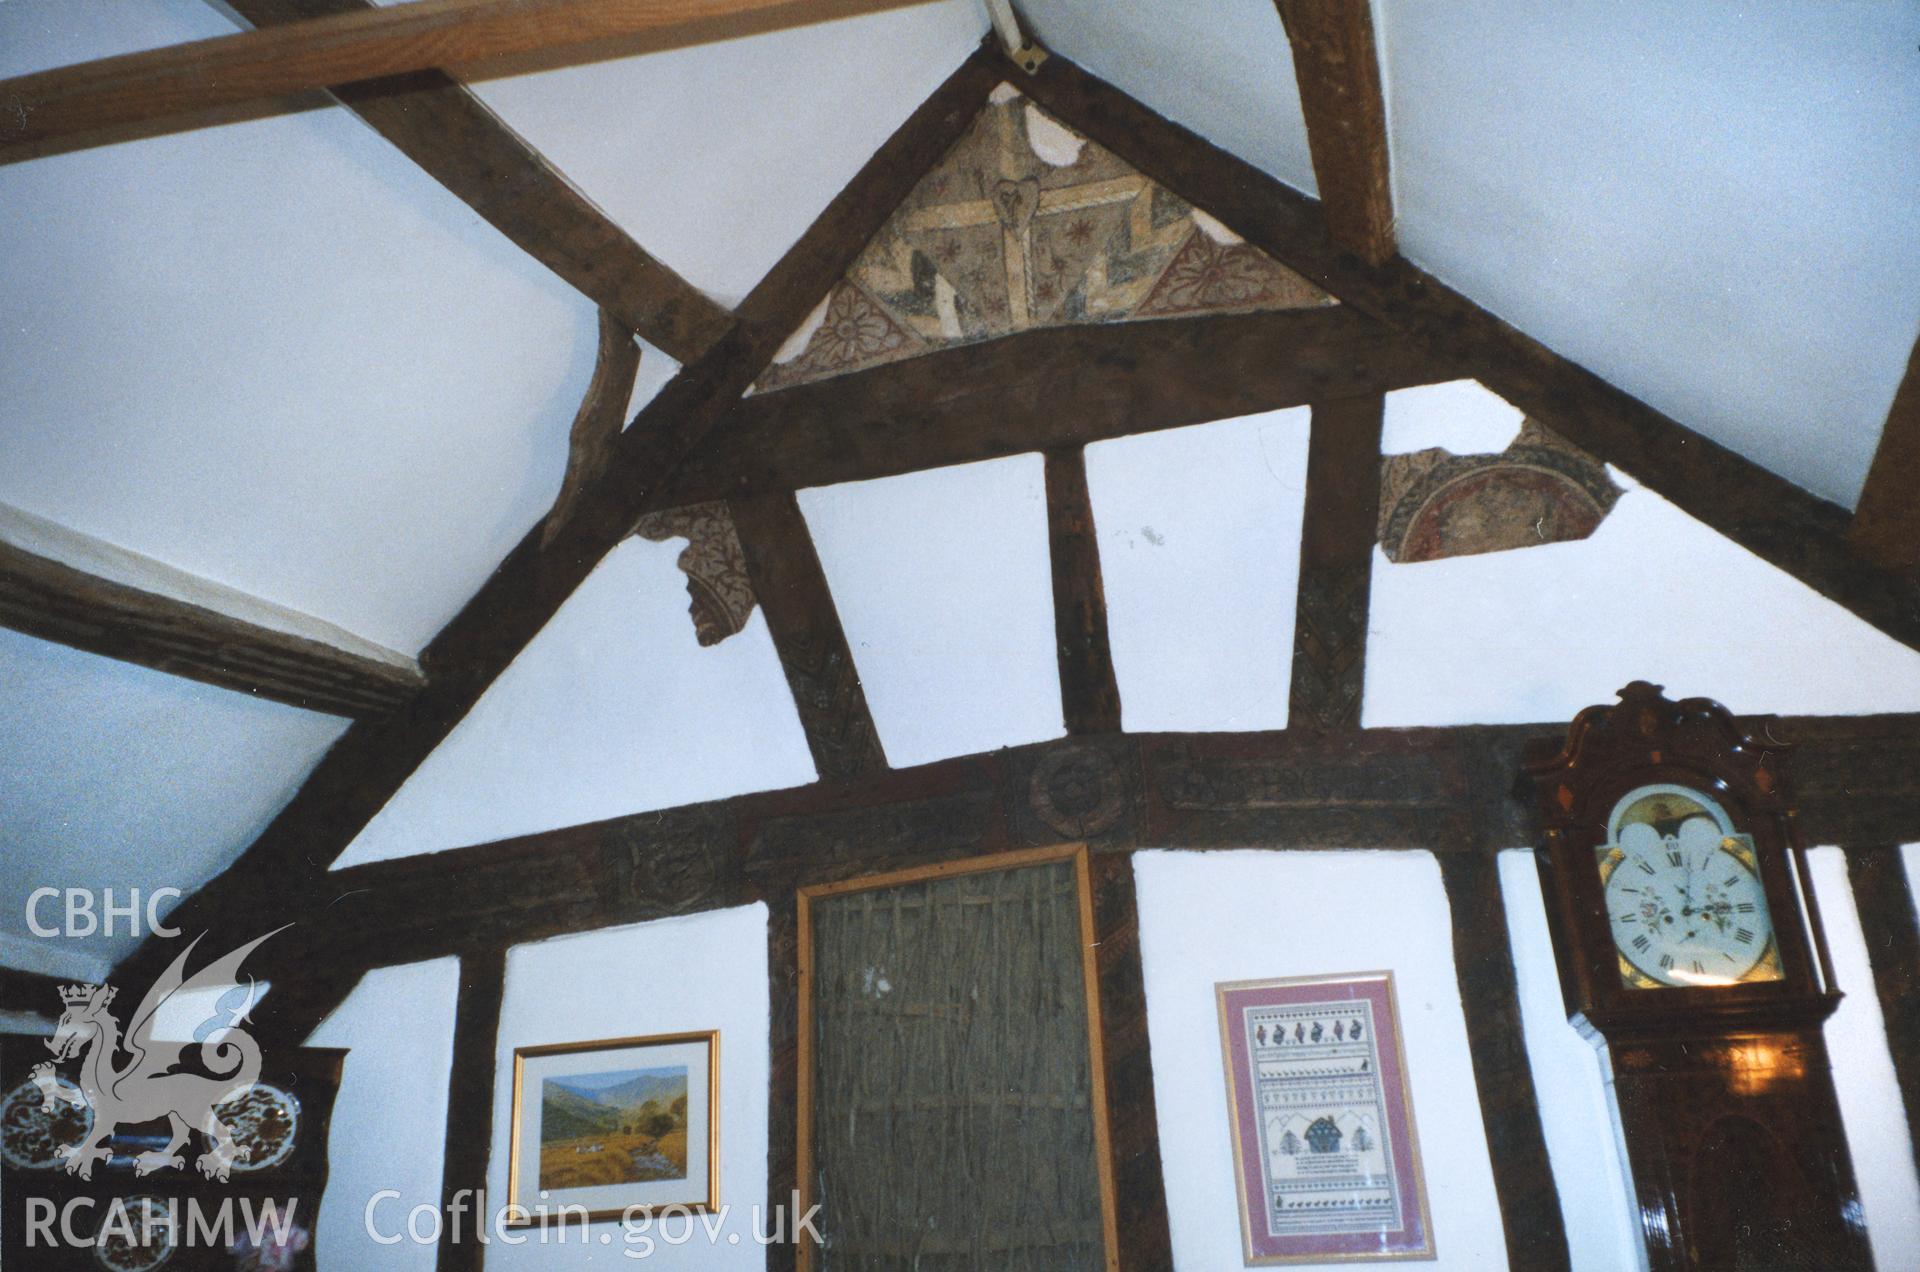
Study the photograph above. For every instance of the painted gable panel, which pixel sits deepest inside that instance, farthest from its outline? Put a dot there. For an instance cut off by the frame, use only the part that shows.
(944, 586)
(1025, 224)
(1199, 533)
(613, 708)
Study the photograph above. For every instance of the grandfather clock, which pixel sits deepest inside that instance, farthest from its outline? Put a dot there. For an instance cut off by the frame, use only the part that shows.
(1690, 949)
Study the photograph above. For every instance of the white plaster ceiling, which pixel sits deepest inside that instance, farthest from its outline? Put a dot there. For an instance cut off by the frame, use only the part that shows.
(1710, 205)
(114, 776)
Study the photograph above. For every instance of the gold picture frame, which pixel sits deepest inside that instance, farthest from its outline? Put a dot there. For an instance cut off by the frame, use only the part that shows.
(625, 1072)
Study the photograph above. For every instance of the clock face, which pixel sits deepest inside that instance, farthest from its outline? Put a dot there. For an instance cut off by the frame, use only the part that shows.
(1683, 894)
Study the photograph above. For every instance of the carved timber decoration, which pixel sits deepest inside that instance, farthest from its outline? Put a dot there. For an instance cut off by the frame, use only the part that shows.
(666, 872)
(715, 567)
(1086, 791)
(1025, 224)
(1541, 489)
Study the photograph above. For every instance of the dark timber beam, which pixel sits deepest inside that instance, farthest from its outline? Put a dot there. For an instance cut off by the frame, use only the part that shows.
(1857, 780)
(1886, 522)
(469, 1142)
(50, 599)
(597, 424)
(1509, 1106)
(1089, 694)
(1338, 70)
(1132, 1123)
(1769, 516)
(176, 86)
(1883, 896)
(1003, 397)
(792, 592)
(365, 768)
(1336, 564)
(464, 146)
(31, 992)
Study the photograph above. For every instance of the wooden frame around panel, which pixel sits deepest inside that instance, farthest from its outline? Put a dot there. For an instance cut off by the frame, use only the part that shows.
(1090, 979)
(520, 1054)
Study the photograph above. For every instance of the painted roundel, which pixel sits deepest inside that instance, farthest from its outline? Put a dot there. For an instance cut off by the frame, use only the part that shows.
(1684, 899)
(140, 1241)
(266, 1122)
(38, 1118)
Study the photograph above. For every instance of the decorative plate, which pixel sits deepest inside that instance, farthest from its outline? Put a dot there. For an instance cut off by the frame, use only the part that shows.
(31, 1133)
(143, 1241)
(266, 1120)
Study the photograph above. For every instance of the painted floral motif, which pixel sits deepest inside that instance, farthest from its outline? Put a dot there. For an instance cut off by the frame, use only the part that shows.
(1211, 277)
(716, 568)
(1541, 489)
(1024, 224)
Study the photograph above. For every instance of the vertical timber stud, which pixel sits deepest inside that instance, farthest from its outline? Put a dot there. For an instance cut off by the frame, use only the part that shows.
(792, 591)
(1884, 898)
(783, 1096)
(1336, 564)
(476, 1031)
(1886, 522)
(1089, 694)
(1338, 69)
(1483, 960)
(1133, 1126)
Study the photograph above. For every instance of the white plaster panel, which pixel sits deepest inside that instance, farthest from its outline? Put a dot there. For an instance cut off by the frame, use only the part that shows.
(1710, 206)
(1199, 533)
(1603, 1231)
(116, 776)
(613, 708)
(390, 1120)
(1870, 1103)
(1539, 633)
(1461, 416)
(704, 971)
(1222, 916)
(944, 586)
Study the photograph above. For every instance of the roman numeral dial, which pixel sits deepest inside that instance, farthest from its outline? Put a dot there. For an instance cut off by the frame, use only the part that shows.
(1685, 905)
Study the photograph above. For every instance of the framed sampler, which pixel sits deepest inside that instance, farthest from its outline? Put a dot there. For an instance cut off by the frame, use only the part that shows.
(952, 1098)
(619, 1126)
(1326, 1159)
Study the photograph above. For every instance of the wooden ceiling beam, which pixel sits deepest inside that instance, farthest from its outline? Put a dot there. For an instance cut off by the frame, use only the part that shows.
(1856, 779)
(1338, 531)
(792, 592)
(447, 130)
(1886, 521)
(1800, 534)
(1003, 397)
(1338, 69)
(1089, 689)
(263, 71)
(370, 763)
(65, 587)
(598, 423)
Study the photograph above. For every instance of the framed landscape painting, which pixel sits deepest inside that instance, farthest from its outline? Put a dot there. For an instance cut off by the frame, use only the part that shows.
(1326, 1161)
(617, 1126)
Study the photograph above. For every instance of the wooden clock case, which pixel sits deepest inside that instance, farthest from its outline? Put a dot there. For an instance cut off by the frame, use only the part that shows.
(1724, 1096)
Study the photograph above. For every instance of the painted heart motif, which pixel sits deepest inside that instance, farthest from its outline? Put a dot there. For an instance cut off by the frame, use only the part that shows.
(1016, 201)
